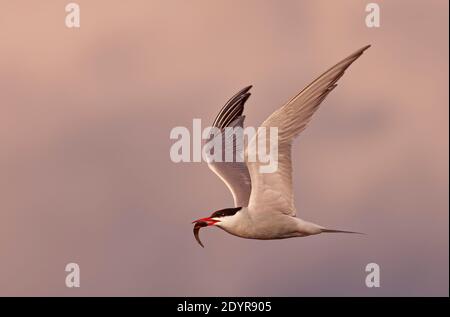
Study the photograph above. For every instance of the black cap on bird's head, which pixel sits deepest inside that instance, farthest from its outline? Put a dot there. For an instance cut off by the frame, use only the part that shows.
(212, 220)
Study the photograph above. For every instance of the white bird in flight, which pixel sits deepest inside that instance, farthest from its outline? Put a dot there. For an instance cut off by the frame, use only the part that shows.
(264, 205)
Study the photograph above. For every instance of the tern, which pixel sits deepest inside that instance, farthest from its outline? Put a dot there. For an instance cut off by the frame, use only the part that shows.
(264, 202)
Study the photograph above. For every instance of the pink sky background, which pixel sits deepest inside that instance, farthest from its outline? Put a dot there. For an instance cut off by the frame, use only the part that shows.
(85, 118)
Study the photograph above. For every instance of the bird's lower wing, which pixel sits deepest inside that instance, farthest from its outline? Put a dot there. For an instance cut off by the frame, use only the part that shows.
(233, 173)
(274, 190)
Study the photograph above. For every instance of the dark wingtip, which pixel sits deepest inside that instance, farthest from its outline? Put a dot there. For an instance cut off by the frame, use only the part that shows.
(233, 108)
(248, 88)
(241, 92)
(362, 50)
(244, 91)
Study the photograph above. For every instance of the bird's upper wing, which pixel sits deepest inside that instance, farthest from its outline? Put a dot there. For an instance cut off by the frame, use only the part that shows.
(234, 174)
(273, 191)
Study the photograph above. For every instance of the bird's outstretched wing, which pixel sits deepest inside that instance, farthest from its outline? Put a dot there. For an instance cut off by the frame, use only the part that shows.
(273, 191)
(234, 174)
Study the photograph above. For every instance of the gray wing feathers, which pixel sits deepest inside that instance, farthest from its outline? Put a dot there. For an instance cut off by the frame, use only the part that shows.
(234, 174)
(294, 116)
(276, 188)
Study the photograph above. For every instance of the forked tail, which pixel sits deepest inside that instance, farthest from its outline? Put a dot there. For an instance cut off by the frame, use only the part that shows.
(340, 231)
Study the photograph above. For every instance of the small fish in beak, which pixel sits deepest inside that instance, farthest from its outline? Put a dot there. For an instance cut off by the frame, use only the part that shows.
(197, 227)
(200, 223)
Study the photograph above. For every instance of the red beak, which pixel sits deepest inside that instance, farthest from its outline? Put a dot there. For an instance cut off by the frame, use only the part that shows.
(208, 221)
(200, 223)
